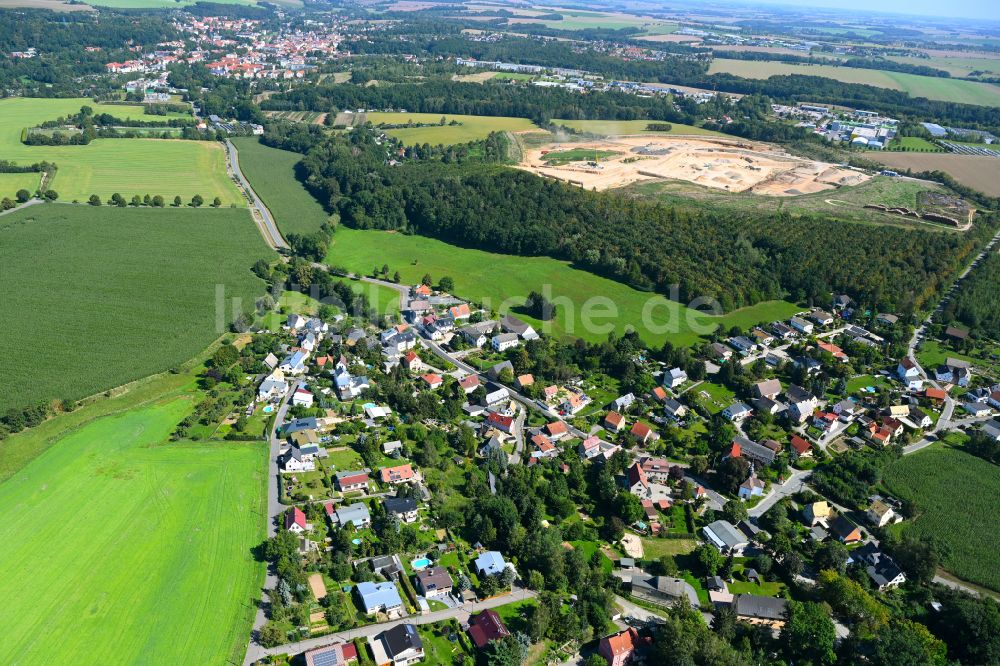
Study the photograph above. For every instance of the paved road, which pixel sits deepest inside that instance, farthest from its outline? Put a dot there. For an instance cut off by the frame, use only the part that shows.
(274, 510)
(461, 613)
(262, 216)
(26, 204)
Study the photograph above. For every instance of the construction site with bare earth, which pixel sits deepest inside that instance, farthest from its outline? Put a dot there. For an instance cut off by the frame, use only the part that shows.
(732, 165)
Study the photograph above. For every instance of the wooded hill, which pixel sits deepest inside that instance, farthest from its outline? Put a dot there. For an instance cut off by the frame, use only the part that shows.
(739, 259)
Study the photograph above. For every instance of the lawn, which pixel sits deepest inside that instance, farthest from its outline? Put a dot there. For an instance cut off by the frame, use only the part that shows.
(955, 494)
(914, 143)
(127, 166)
(470, 128)
(855, 384)
(620, 127)
(588, 548)
(654, 549)
(10, 183)
(295, 210)
(931, 87)
(503, 281)
(99, 297)
(122, 547)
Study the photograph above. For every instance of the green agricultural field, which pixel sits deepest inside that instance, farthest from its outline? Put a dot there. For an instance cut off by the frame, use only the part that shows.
(955, 494)
(127, 166)
(503, 281)
(470, 128)
(163, 4)
(621, 127)
(128, 549)
(960, 67)
(295, 210)
(10, 183)
(97, 297)
(931, 87)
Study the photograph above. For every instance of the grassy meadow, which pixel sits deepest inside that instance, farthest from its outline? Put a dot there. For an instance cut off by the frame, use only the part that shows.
(470, 128)
(128, 549)
(955, 494)
(931, 87)
(503, 281)
(98, 297)
(295, 210)
(10, 183)
(623, 127)
(127, 166)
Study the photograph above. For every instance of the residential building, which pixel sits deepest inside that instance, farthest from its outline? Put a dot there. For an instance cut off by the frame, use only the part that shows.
(816, 512)
(356, 514)
(347, 482)
(338, 654)
(663, 590)
(512, 324)
(674, 409)
(302, 398)
(674, 377)
(434, 582)
(405, 508)
(643, 434)
(505, 341)
(379, 598)
(801, 325)
(619, 649)
(846, 531)
(490, 563)
(737, 412)
(769, 388)
(295, 521)
(909, 374)
(880, 514)
(396, 475)
(746, 448)
(400, 645)
(725, 537)
(752, 487)
(613, 422)
(486, 627)
(768, 611)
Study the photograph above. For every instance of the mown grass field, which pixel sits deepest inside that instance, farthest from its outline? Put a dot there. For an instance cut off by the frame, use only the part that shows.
(907, 143)
(127, 166)
(295, 210)
(621, 127)
(954, 65)
(127, 549)
(955, 493)
(931, 87)
(504, 281)
(471, 128)
(97, 297)
(10, 183)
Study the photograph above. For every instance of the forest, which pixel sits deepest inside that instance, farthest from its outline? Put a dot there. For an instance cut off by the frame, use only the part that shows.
(976, 304)
(738, 259)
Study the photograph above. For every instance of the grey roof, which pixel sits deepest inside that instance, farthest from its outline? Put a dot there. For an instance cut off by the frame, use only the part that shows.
(724, 534)
(765, 608)
(664, 586)
(375, 596)
(353, 512)
(401, 638)
(399, 504)
(435, 578)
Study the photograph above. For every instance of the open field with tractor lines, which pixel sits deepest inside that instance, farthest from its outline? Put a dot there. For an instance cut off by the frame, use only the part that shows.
(128, 549)
(467, 128)
(108, 295)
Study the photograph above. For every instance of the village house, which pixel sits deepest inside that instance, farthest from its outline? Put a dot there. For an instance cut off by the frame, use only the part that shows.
(434, 582)
(846, 531)
(663, 590)
(643, 434)
(769, 388)
(512, 324)
(737, 412)
(800, 447)
(816, 512)
(356, 514)
(347, 482)
(380, 598)
(880, 514)
(338, 654)
(909, 374)
(744, 447)
(524, 381)
(822, 318)
(801, 325)
(882, 569)
(486, 627)
(613, 422)
(490, 563)
(295, 521)
(725, 537)
(767, 611)
(302, 398)
(752, 487)
(400, 645)
(404, 508)
(505, 341)
(574, 402)
(397, 475)
(674, 409)
(556, 430)
(674, 377)
(619, 649)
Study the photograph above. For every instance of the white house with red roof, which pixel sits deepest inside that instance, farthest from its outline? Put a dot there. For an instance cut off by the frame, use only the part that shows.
(295, 521)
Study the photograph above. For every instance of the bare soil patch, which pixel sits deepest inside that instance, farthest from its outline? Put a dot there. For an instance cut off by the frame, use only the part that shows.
(732, 165)
(981, 173)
